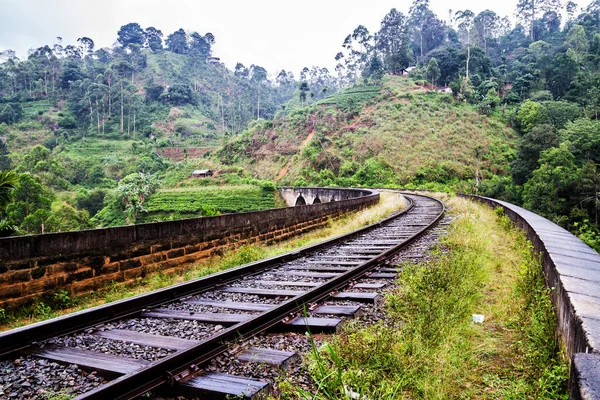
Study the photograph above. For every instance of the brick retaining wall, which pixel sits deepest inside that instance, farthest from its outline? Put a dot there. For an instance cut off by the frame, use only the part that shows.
(82, 261)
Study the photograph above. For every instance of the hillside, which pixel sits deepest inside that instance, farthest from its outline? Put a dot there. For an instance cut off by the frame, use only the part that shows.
(399, 133)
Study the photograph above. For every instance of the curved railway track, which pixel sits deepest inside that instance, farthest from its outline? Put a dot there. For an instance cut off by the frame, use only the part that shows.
(178, 329)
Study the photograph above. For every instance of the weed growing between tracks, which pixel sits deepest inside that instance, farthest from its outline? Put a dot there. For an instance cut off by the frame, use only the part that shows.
(61, 303)
(429, 348)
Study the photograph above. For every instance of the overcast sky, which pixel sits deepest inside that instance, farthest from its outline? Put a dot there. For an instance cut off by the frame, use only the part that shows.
(275, 34)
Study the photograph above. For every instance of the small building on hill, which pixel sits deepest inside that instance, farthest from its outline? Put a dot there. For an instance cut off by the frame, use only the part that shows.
(202, 173)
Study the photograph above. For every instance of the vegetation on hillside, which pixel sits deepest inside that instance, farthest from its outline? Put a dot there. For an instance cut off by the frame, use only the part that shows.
(208, 200)
(394, 134)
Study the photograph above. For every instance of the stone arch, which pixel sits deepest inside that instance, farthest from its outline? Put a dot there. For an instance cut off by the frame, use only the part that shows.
(317, 200)
(300, 201)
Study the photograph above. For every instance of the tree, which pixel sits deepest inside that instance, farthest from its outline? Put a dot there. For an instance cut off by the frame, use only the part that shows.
(418, 13)
(154, 38)
(433, 71)
(65, 217)
(583, 135)
(529, 10)
(577, 43)
(180, 94)
(530, 114)
(131, 33)
(548, 192)
(486, 24)
(393, 43)
(449, 62)
(357, 46)
(10, 113)
(257, 74)
(304, 89)
(540, 138)
(8, 181)
(30, 197)
(589, 187)
(465, 25)
(374, 69)
(199, 45)
(87, 45)
(5, 162)
(132, 192)
(177, 42)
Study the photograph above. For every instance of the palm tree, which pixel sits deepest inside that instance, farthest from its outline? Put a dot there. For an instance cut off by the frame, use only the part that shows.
(8, 181)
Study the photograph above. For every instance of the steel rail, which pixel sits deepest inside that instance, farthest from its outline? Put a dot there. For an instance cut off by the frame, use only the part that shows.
(18, 339)
(181, 364)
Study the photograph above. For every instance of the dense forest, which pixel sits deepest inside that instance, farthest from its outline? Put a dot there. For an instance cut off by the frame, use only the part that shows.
(540, 76)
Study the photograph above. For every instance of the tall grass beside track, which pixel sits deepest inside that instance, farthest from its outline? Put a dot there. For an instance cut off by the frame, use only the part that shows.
(429, 348)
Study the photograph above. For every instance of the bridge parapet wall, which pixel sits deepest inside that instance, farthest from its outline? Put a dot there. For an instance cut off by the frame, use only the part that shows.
(572, 271)
(82, 261)
(294, 196)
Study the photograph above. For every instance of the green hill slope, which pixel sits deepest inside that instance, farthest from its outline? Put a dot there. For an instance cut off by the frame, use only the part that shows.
(398, 133)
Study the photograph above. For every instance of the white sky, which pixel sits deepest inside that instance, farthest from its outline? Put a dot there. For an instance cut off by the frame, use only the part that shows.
(273, 34)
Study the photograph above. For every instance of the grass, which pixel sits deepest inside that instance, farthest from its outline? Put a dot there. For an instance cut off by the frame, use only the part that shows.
(33, 108)
(428, 347)
(350, 97)
(210, 199)
(98, 150)
(61, 304)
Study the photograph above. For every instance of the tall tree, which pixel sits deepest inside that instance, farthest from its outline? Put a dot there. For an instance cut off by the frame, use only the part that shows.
(257, 75)
(357, 46)
(87, 45)
(177, 42)
(418, 14)
(433, 71)
(392, 41)
(530, 9)
(486, 24)
(154, 38)
(131, 33)
(465, 28)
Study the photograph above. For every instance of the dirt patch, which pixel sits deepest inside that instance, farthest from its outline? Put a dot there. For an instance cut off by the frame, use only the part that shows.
(305, 142)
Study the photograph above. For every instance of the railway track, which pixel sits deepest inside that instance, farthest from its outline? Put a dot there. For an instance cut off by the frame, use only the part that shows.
(162, 339)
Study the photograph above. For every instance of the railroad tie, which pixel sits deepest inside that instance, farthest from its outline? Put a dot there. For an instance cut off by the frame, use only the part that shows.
(382, 275)
(231, 305)
(263, 292)
(369, 286)
(310, 324)
(147, 339)
(361, 297)
(262, 355)
(287, 283)
(214, 385)
(213, 318)
(305, 274)
(338, 310)
(316, 268)
(105, 364)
